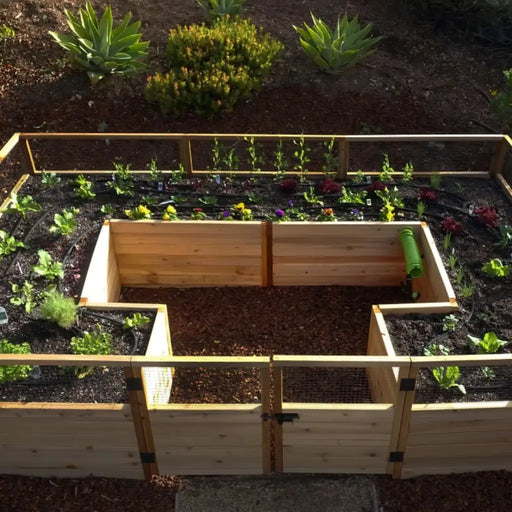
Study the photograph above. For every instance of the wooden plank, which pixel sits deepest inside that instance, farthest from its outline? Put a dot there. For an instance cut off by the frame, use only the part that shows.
(383, 380)
(141, 422)
(439, 280)
(343, 158)
(186, 155)
(424, 308)
(14, 190)
(164, 245)
(498, 157)
(27, 158)
(9, 145)
(156, 280)
(507, 189)
(267, 255)
(462, 360)
(316, 361)
(202, 361)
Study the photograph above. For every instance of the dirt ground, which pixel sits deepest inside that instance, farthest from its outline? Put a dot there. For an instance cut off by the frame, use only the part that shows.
(419, 81)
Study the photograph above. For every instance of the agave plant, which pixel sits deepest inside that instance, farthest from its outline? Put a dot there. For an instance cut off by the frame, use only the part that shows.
(219, 8)
(335, 51)
(98, 48)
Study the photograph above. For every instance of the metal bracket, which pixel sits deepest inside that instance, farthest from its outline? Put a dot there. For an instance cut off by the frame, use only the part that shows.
(134, 384)
(281, 418)
(407, 384)
(147, 458)
(396, 456)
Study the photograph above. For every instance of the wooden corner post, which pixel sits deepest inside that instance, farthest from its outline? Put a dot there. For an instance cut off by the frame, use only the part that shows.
(343, 158)
(137, 396)
(27, 159)
(277, 408)
(406, 386)
(498, 157)
(265, 421)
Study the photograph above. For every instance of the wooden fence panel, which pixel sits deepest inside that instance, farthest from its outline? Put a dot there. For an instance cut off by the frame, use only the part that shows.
(458, 437)
(183, 253)
(337, 438)
(208, 439)
(68, 440)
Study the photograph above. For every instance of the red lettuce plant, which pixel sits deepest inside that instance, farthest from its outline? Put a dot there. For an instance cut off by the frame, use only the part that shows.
(376, 185)
(452, 226)
(288, 186)
(487, 216)
(427, 194)
(329, 186)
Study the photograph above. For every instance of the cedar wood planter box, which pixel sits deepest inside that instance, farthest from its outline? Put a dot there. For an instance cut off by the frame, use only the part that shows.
(120, 440)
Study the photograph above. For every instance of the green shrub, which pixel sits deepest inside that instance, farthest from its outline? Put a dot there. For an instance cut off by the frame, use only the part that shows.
(217, 9)
(59, 308)
(502, 101)
(333, 51)
(100, 49)
(18, 371)
(212, 67)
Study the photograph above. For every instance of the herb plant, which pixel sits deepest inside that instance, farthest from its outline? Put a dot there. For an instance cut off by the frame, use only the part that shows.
(92, 343)
(330, 159)
(18, 371)
(351, 197)
(58, 308)
(279, 160)
(450, 323)
(386, 174)
(335, 50)
(301, 155)
(435, 180)
(98, 48)
(46, 267)
(255, 159)
(312, 198)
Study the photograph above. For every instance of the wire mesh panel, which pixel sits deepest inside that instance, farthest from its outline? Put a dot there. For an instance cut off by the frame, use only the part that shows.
(464, 384)
(326, 385)
(426, 156)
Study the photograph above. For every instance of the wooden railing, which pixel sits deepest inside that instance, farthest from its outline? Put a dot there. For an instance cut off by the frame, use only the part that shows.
(499, 145)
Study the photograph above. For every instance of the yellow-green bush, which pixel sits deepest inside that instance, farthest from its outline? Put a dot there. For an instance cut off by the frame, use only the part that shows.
(212, 67)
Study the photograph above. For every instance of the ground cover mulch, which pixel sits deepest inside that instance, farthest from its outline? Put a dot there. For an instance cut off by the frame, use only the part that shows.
(420, 80)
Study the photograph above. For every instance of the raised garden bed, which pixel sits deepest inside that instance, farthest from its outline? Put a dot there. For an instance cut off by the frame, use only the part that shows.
(259, 252)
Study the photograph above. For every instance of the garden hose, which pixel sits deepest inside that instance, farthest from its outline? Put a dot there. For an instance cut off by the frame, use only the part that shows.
(413, 263)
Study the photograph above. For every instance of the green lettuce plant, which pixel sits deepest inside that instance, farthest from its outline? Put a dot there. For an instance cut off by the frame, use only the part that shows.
(24, 296)
(99, 48)
(335, 50)
(64, 223)
(21, 205)
(18, 371)
(83, 187)
(495, 268)
(93, 343)
(488, 344)
(136, 320)
(46, 267)
(447, 377)
(8, 244)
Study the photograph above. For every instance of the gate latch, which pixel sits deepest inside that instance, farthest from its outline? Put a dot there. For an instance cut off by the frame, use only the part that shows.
(281, 417)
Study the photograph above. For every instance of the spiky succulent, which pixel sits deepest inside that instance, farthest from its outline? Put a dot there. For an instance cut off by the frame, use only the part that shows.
(100, 49)
(333, 51)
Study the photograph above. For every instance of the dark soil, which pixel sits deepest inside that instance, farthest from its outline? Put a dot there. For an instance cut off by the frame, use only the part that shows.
(419, 81)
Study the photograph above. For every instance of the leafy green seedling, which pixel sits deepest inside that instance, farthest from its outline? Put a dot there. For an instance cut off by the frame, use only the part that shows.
(122, 182)
(95, 343)
(136, 320)
(506, 235)
(21, 205)
(64, 223)
(449, 323)
(447, 377)
(8, 244)
(24, 296)
(436, 349)
(48, 268)
(49, 179)
(496, 268)
(312, 198)
(489, 344)
(83, 187)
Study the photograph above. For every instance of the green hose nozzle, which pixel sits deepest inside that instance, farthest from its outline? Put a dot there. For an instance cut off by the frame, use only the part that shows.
(413, 263)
